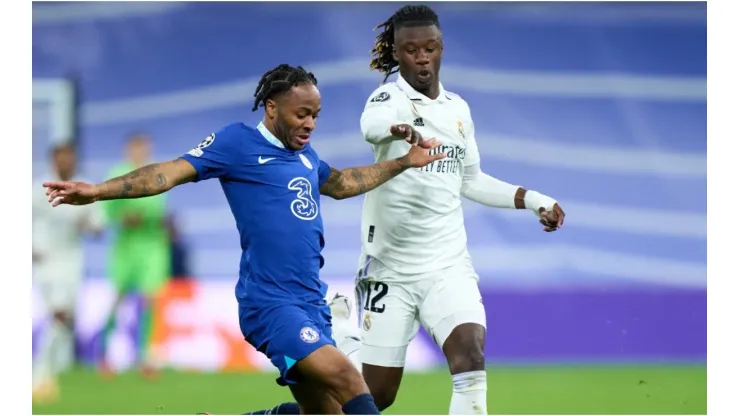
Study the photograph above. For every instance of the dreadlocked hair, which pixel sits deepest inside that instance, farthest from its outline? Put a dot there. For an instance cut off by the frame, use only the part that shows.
(279, 80)
(406, 16)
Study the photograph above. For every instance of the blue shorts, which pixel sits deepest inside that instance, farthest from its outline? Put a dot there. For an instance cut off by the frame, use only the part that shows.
(287, 333)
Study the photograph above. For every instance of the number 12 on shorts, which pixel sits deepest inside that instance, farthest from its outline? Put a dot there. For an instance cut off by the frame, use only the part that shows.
(374, 292)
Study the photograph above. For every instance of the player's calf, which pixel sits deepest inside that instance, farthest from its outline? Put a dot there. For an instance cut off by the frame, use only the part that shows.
(331, 369)
(464, 351)
(383, 383)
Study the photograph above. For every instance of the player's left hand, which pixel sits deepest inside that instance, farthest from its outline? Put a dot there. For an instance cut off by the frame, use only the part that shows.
(418, 157)
(552, 219)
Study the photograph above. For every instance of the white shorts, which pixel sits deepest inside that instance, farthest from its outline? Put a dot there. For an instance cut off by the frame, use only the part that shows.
(390, 313)
(59, 284)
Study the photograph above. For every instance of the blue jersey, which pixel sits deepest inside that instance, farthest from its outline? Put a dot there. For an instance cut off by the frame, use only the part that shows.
(273, 193)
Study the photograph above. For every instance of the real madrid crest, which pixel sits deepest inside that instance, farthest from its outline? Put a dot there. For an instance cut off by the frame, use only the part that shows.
(460, 129)
(366, 322)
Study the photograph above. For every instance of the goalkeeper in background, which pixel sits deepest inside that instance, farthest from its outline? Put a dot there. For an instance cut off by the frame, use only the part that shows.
(139, 262)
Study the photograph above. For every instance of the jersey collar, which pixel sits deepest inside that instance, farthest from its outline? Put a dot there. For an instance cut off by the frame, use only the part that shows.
(416, 95)
(269, 136)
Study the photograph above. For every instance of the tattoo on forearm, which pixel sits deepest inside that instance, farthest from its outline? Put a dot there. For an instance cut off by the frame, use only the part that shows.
(147, 181)
(356, 181)
(126, 188)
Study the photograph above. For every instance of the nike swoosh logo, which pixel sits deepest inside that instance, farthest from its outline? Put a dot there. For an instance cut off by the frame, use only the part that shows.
(263, 161)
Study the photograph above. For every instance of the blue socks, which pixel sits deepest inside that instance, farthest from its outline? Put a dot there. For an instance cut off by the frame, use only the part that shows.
(361, 405)
(281, 409)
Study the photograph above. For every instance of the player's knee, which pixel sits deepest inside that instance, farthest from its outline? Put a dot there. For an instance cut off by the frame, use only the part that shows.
(468, 358)
(464, 349)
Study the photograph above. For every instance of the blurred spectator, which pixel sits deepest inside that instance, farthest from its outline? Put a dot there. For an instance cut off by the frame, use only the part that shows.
(58, 261)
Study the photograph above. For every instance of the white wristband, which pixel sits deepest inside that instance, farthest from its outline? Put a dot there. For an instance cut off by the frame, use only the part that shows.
(534, 200)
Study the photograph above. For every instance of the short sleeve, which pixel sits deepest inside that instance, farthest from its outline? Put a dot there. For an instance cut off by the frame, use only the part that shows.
(214, 156)
(324, 172)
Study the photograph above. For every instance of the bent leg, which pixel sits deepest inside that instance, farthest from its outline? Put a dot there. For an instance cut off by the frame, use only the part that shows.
(333, 376)
(298, 341)
(389, 323)
(454, 315)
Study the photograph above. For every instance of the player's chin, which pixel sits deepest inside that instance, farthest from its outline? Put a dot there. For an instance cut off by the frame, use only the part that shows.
(298, 142)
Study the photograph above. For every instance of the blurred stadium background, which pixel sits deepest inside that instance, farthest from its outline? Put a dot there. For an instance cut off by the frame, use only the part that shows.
(602, 106)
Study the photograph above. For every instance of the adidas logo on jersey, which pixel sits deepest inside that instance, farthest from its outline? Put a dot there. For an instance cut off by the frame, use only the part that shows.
(419, 122)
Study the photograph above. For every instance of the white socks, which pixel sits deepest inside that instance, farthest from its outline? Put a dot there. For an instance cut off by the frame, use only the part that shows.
(346, 332)
(347, 337)
(64, 356)
(469, 394)
(45, 366)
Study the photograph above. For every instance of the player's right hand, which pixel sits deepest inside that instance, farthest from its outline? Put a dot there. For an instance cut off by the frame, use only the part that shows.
(70, 193)
(413, 137)
(418, 157)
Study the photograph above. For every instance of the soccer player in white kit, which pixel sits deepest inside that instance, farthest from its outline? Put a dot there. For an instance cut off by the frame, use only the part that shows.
(58, 264)
(415, 268)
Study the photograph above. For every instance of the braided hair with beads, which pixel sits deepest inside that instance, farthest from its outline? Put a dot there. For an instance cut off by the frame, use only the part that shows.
(406, 16)
(280, 80)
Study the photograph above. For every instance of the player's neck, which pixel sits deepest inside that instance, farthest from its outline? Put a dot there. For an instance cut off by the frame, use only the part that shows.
(274, 131)
(432, 92)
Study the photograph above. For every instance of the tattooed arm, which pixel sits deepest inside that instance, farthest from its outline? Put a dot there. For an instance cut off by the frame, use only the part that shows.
(347, 183)
(149, 180)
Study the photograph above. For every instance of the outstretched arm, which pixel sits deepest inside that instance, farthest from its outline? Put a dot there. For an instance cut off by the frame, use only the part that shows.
(492, 192)
(489, 191)
(347, 183)
(149, 180)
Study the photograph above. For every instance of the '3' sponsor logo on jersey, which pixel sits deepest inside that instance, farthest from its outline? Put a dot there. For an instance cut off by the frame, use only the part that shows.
(304, 206)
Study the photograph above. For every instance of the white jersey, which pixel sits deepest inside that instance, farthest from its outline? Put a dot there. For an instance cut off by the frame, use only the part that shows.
(58, 233)
(414, 223)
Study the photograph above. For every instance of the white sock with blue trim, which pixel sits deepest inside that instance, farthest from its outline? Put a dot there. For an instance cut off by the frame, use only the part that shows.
(469, 393)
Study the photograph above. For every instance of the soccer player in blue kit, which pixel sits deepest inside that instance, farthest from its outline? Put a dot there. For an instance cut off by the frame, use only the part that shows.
(272, 179)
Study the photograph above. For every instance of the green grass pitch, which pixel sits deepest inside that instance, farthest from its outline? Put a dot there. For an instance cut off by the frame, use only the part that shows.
(511, 390)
